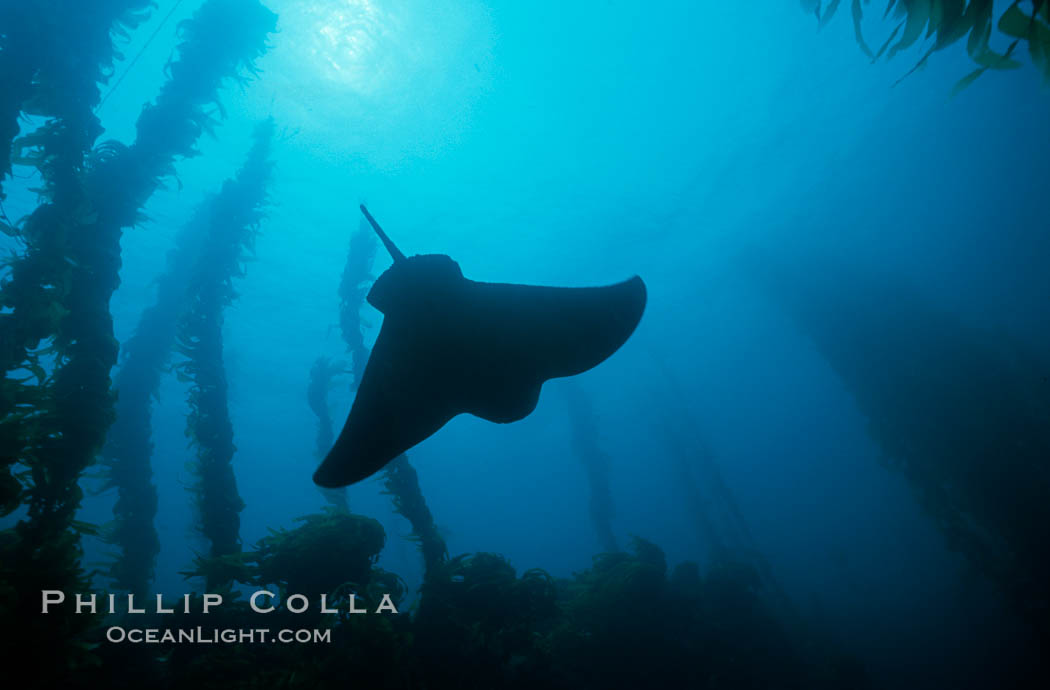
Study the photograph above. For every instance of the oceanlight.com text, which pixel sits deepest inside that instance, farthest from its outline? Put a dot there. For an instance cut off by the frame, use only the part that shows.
(201, 635)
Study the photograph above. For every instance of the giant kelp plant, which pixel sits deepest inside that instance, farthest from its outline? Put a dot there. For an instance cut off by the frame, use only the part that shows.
(595, 462)
(322, 373)
(52, 64)
(233, 219)
(960, 412)
(128, 447)
(60, 288)
(946, 22)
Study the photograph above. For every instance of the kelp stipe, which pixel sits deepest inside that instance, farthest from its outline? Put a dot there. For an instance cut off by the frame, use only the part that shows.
(233, 221)
(595, 462)
(713, 505)
(353, 288)
(322, 375)
(129, 448)
(401, 482)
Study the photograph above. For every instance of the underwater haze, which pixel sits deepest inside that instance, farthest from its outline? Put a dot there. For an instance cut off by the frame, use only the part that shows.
(840, 386)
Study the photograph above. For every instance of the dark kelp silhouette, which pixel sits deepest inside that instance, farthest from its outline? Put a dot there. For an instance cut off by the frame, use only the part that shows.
(353, 289)
(127, 455)
(322, 376)
(586, 446)
(959, 411)
(57, 322)
(450, 345)
(234, 223)
(628, 620)
(52, 64)
(947, 23)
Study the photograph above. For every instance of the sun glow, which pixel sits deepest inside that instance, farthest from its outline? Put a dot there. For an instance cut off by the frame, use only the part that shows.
(342, 39)
(394, 76)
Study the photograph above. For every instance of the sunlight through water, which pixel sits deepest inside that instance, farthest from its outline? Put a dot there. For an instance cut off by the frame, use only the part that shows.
(406, 69)
(343, 37)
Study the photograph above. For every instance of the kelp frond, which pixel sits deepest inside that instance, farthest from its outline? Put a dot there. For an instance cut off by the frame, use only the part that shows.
(943, 23)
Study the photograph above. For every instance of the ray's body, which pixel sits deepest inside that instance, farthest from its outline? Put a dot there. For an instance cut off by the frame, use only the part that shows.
(450, 345)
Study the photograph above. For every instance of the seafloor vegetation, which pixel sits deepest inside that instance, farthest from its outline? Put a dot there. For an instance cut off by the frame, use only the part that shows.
(628, 621)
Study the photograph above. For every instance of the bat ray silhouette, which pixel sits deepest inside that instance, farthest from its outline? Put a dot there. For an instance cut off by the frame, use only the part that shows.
(450, 345)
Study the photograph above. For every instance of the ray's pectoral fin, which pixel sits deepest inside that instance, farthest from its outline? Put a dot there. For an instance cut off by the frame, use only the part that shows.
(586, 325)
(528, 334)
(516, 337)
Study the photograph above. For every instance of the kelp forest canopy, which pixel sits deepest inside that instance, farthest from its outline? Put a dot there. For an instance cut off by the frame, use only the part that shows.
(942, 23)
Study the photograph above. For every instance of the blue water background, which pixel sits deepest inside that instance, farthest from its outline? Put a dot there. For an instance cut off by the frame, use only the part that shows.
(579, 144)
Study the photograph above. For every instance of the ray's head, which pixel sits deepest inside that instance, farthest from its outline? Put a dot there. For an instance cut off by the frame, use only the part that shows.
(412, 282)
